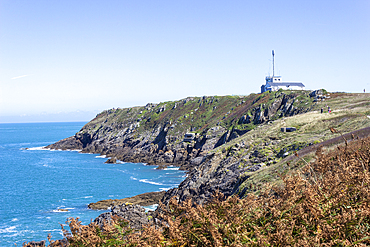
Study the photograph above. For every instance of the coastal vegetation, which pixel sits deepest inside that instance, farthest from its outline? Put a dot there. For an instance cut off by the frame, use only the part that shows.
(325, 202)
(248, 182)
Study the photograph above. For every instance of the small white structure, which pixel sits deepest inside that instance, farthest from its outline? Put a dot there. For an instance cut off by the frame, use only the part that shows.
(275, 82)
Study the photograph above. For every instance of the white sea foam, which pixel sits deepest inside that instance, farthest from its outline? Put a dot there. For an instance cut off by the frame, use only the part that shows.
(9, 229)
(171, 169)
(38, 148)
(70, 150)
(13, 232)
(88, 196)
(101, 156)
(164, 189)
(149, 182)
(59, 211)
(54, 230)
(15, 219)
(151, 207)
(133, 178)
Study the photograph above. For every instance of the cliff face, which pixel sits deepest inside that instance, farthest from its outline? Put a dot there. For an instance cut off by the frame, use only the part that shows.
(154, 133)
(236, 143)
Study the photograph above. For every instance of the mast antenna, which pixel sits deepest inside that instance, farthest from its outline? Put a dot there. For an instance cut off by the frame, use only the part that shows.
(273, 63)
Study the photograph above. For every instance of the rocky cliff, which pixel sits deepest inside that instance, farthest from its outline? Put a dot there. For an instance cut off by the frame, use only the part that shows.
(155, 133)
(245, 163)
(231, 144)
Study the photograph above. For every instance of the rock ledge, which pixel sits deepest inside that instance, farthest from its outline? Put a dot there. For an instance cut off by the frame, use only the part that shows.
(145, 199)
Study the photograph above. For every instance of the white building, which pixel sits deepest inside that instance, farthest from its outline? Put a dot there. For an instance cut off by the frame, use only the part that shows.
(274, 82)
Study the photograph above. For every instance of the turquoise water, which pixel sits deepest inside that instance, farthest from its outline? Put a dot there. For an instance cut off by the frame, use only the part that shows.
(36, 183)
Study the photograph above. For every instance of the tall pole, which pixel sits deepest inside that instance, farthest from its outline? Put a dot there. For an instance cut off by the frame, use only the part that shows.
(273, 63)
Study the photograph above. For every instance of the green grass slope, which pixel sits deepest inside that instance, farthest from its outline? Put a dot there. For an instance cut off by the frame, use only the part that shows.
(350, 112)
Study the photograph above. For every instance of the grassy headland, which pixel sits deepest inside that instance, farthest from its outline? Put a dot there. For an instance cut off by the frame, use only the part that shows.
(238, 149)
(325, 203)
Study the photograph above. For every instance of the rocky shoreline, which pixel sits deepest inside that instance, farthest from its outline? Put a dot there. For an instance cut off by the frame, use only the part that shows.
(229, 144)
(223, 142)
(185, 133)
(156, 133)
(145, 199)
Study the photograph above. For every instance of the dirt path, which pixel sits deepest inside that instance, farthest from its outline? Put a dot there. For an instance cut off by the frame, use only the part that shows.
(361, 133)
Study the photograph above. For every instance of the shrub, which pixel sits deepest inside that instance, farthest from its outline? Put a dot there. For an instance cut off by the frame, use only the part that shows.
(326, 203)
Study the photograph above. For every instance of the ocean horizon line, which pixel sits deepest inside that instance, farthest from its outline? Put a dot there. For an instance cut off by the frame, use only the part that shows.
(38, 122)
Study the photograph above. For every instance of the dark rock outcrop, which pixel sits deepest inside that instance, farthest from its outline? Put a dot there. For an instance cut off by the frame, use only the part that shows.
(35, 244)
(111, 161)
(316, 93)
(154, 134)
(145, 199)
(70, 143)
(134, 214)
(211, 175)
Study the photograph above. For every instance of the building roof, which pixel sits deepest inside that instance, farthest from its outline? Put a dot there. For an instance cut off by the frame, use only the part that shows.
(286, 84)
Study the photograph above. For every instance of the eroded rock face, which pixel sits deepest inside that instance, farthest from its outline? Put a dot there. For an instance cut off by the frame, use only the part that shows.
(71, 143)
(316, 93)
(154, 134)
(158, 152)
(211, 175)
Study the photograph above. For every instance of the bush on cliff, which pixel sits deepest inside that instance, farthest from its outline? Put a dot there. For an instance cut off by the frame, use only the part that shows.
(326, 203)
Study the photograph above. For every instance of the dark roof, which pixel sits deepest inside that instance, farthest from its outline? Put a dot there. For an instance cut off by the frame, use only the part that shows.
(286, 84)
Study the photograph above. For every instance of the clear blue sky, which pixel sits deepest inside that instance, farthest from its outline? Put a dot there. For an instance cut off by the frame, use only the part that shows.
(68, 56)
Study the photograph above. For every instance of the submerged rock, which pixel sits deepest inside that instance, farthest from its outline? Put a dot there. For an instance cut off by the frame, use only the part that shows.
(62, 210)
(111, 161)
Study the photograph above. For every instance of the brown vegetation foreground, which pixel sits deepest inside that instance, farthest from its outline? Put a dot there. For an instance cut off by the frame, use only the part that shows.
(324, 204)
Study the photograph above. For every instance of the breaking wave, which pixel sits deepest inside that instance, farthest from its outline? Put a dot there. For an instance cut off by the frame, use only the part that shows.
(149, 182)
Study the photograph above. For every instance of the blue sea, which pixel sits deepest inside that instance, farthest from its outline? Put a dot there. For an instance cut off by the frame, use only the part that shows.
(36, 183)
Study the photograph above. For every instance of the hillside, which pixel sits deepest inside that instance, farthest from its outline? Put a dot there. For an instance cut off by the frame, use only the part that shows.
(238, 148)
(154, 133)
(238, 144)
(324, 203)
